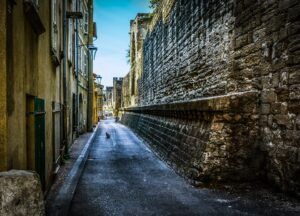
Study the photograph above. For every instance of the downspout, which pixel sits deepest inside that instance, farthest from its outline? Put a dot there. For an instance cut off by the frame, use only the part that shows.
(90, 69)
(65, 76)
(77, 74)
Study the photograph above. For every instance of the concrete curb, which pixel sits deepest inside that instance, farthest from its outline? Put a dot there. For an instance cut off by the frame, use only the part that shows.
(65, 195)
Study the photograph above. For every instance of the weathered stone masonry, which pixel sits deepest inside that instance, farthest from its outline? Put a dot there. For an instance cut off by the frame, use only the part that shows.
(219, 93)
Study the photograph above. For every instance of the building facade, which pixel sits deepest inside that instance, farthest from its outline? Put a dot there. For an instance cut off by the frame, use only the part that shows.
(117, 95)
(126, 99)
(138, 30)
(108, 101)
(98, 113)
(40, 73)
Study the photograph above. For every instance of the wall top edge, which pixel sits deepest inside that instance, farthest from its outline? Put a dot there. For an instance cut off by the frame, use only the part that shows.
(228, 102)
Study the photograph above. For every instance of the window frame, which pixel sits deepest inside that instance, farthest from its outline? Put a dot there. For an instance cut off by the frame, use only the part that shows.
(54, 27)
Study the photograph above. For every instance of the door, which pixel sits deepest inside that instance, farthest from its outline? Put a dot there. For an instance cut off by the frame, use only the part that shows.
(56, 112)
(39, 124)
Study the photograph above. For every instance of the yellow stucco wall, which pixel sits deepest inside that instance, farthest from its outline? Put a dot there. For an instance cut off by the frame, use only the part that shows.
(48, 82)
(33, 74)
(3, 114)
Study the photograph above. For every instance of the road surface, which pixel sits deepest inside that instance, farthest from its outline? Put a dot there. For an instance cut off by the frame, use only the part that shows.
(123, 177)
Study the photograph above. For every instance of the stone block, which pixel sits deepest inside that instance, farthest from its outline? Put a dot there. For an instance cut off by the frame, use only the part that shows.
(294, 108)
(268, 96)
(279, 108)
(263, 121)
(21, 194)
(283, 78)
(282, 120)
(298, 121)
(294, 13)
(270, 120)
(265, 108)
(294, 91)
(275, 80)
(266, 82)
(241, 41)
(294, 77)
(293, 135)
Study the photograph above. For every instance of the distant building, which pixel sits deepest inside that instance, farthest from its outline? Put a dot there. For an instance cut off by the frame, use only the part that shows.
(125, 101)
(117, 95)
(98, 99)
(108, 106)
(138, 31)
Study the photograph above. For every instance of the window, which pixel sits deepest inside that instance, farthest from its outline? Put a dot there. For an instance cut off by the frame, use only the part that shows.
(86, 23)
(82, 61)
(85, 64)
(70, 45)
(54, 28)
(79, 58)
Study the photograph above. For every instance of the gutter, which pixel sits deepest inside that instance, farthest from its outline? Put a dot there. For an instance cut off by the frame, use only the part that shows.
(65, 141)
(63, 200)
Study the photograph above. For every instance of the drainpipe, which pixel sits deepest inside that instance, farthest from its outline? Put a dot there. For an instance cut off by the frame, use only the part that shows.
(90, 70)
(65, 76)
(77, 73)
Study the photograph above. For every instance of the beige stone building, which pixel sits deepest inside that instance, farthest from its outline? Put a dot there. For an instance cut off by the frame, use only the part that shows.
(98, 100)
(117, 95)
(125, 100)
(82, 68)
(138, 31)
(38, 62)
(108, 101)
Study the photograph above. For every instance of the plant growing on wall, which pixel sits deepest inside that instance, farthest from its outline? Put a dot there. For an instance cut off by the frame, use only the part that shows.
(155, 3)
(128, 55)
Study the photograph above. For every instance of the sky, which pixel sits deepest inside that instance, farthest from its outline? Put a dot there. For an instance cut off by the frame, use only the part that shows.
(113, 26)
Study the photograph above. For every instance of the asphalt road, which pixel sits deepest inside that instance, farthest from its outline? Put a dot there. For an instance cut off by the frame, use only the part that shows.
(123, 177)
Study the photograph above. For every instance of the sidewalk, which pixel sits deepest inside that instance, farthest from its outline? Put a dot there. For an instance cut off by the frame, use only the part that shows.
(60, 181)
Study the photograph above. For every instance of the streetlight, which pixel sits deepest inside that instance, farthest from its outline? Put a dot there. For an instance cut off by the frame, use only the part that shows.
(93, 50)
(98, 79)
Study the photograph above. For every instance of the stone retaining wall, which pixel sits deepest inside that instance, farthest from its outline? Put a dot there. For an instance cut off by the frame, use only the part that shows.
(200, 50)
(212, 139)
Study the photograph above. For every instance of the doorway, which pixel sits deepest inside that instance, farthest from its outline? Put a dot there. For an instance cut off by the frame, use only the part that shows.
(35, 135)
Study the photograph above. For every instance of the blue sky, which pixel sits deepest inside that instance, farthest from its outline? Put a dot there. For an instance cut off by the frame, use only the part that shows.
(113, 25)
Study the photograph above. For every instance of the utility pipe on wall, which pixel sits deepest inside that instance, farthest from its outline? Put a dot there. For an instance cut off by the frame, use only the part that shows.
(65, 106)
(90, 67)
(77, 73)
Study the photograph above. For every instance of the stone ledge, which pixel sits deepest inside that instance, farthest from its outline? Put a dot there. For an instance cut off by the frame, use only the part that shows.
(208, 140)
(230, 103)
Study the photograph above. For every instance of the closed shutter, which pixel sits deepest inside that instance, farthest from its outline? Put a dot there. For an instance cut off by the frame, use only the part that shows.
(54, 27)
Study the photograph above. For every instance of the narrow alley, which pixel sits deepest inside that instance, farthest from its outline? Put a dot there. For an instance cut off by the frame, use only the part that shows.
(122, 176)
(149, 107)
